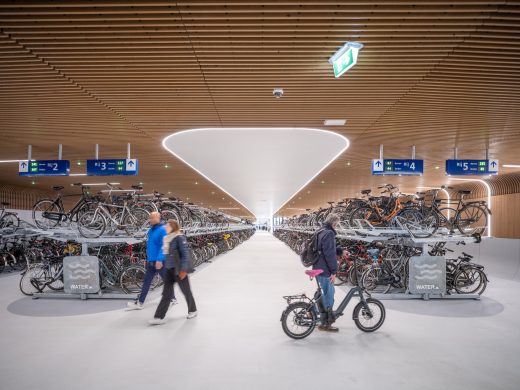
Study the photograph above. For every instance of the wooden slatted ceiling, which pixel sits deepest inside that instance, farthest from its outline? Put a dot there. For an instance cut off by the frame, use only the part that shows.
(436, 74)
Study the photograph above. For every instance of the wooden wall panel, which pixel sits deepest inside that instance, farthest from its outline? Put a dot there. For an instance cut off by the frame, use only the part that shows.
(506, 216)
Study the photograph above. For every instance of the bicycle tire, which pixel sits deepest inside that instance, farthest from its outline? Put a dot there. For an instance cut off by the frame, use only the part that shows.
(9, 223)
(360, 310)
(132, 278)
(449, 214)
(364, 213)
(465, 278)
(25, 285)
(42, 222)
(136, 222)
(371, 278)
(475, 222)
(91, 224)
(304, 309)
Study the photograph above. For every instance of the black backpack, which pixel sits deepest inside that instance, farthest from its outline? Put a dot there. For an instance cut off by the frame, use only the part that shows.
(311, 253)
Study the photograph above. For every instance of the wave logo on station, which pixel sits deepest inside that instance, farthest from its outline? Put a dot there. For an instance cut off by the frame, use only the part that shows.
(80, 271)
(427, 272)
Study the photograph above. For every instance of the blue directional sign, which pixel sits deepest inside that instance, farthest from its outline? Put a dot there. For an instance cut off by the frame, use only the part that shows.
(44, 168)
(472, 167)
(112, 167)
(385, 167)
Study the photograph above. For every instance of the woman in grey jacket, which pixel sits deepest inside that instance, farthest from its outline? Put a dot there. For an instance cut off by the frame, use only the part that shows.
(178, 265)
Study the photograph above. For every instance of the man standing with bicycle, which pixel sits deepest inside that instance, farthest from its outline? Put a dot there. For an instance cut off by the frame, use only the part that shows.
(327, 262)
(154, 259)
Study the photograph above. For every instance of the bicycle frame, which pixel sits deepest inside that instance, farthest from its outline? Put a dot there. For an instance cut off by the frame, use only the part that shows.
(69, 215)
(317, 305)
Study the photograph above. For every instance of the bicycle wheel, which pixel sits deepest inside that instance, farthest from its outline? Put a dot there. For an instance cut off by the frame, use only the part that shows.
(28, 281)
(57, 282)
(429, 223)
(169, 214)
(364, 213)
(472, 219)
(373, 281)
(91, 224)
(419, 224)
(372, 319)
(136, 222)
(46, 214)
(352, 276)
(14, 263)
(391, 256)
(342, 274)
(132, 279)
(9, 223)
(469, 280)
(298, 320)
(449, 214)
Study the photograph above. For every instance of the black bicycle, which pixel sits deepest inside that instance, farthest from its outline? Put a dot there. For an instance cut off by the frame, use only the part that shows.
(469, 218)
(49, 213)
(303, 313)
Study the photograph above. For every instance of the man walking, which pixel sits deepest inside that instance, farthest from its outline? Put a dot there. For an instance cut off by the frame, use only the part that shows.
(154, 259)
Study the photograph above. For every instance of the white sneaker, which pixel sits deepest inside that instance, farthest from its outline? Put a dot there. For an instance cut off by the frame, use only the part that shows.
(156, 321)
(192, 315)
(135, 306)
(173, 302)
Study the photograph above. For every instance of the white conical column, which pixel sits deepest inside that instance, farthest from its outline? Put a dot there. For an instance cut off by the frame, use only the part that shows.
(262, 168)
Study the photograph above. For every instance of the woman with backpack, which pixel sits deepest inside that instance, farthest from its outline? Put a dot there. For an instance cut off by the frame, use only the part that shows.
(178, 265)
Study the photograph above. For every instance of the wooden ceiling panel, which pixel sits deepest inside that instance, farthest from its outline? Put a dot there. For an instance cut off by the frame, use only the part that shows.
(433, 73)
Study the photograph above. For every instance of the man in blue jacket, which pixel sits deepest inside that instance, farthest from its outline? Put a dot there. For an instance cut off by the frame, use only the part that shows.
(328, 262)
(154, 259)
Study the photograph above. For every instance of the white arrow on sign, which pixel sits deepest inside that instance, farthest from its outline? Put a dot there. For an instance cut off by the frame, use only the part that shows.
(493, 165)
(23, 166)
(131, 164)
(377, 165)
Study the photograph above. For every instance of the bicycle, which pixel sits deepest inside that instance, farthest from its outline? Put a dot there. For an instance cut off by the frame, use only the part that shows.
(462, 276)
(50, 213)
(391, 272)
(93, 223)
(302, 314)
(37, 277)
(383, 210)
(469, 217)
(9, 222)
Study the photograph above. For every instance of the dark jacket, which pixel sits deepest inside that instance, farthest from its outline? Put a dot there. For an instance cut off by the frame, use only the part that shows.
(180, 263)
(154, 243)
(327, 246)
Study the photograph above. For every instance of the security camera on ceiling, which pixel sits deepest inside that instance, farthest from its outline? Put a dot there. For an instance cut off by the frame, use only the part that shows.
(278, 93)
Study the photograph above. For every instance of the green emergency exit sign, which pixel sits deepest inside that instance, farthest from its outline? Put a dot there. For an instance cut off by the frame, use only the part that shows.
(345, 58)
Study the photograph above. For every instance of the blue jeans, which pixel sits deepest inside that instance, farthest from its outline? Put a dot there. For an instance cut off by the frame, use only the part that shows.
(148, 277)
(327, 289)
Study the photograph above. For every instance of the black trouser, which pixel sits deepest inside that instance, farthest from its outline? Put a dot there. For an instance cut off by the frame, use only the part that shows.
(170, 278)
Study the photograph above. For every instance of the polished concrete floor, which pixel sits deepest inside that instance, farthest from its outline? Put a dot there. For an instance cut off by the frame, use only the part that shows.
(237, 341)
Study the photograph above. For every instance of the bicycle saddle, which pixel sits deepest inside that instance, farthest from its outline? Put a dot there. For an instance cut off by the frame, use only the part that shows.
(366, 192)
(57, 188)
(464, 192)
(313, 272)
(5, 203)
